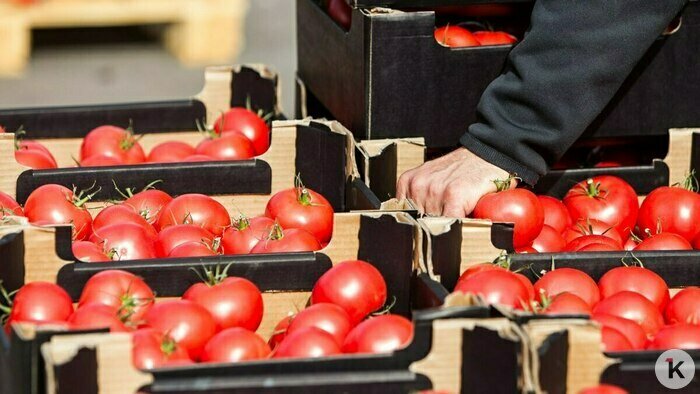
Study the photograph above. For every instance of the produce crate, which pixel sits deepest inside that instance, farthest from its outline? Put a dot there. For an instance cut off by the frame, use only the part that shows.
(388, 77)
(192, 25)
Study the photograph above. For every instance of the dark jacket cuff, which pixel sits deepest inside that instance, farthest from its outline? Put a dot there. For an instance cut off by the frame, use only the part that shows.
(498, 159)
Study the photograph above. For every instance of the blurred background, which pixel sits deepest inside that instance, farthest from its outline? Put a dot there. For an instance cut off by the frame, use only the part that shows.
(93, 65)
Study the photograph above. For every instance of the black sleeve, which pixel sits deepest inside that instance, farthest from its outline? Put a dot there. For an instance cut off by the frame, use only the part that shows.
(571, 62)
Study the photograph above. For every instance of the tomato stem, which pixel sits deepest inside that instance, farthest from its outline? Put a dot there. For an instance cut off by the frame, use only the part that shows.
(504, 184)
(276, 232)
(690, 182)
(241, 223)
(19, 136)
(168, 345)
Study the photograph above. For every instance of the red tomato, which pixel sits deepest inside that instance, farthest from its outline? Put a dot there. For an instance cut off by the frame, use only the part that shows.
(195, 209)
(584, 227)
(528, 285)
(302, 208)
(287, 241)
(518, 206)
(555, 213)
(55, 204)
(96, 316)
(328, 317)
(664, 241)
(122, 290)
(229, 146)
(630, 329)
(188, 323)
(9, 207)
(475, 269)
(568, 280)
(112, 141)
(34, 155)
(193, 249)
(583, 242)
(526, 250)
(496, 287)
(494, 38)
(636, 279)
(340, 12)
(89, 252)
(355, 285)
(672, 209)
(598, 247)
(198, 158)
(170, 152)
(567, 304)
(171, 237)
(246, 123)
(149, 204)
(549, 241)
(455, 37)
(678, 336)
(630, 244)
(605, 198)
(233, 345)
(614, 340)
(684, 307)
(635, 307)
(307, 342)
(152, 349)
(40, 302)
(125, 241)
(245, 233)
(279, 332)
(379, 334)
(603, 389)
(101, 161)
(117, 214)
(232, 302)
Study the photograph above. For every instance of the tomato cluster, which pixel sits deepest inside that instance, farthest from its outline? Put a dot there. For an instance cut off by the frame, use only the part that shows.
(459, 37)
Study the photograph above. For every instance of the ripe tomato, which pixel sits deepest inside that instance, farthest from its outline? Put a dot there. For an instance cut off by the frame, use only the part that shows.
(232, 302)
(122, 290)
(171, 237)
(34, 155)
(89, 252)
(455, 37)
(96, 316)
(630, 244)
(379, 334)
(9, 207)
(567, 304)
(614, 340)
(328, 317)
(198, 158)
(116, 214)
(672, 209)
(549, 241)
(568, 280)
(196, 209)
(245, 233)
(677, 336)
(684, 307)
(340, 12)
(496, 287)
(603, 389)
(475, 269)
(494, 38)
(40, 302)
(112, 141)
(526, 250)
(555, 213)
(636, 279)
(302, 208)
(664, 241)
(125, 241)
(354, 285)
(55, 204)
(229, 146)
(247, 123)
(518, 206)
(188, 323)
(287, 241)
(170, 152)
(234, 345)
(149, 204)
(587, 240)
(280, 332)
(635, 307)
(630, 329)
(605, 198)
(193, 249)
(307, 342)
(528, 285)
(584, 227)
(101, 161)
(598, 247)
(152, 349)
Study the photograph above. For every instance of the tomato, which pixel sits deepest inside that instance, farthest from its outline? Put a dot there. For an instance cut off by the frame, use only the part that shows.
(684, 307)
(494, 38)
(354, 285)
(307, 342)
(188, 323)
(496, 287)
(280, 332)
(112, 141)
(605, 198)
(630, 244)
(34, 155)
(101, 161)
(635, 307)
(302, 208)
(598, 247)
(455, 37)
(232, 302)
(116, 214)
(198, 158)
(585, 241)
(518, 206)
(528, 285)
(9, 207)
(678, 336)
(636, 279)
(549, 241)
(96, 316)
(55, 204)
(247, 123)
(40, 302)
(568, 280)
(328, 317)
(234, 345)
(526, 250)
(630, 329)
(340, 12)
(555, 213)
(245, 233)
(119, 289)
(603, 389)
(614, 340)
(89, 252)
(567, 304)
(125, 241)
(287, 241)
(584, 227)
(664, 241)
(229, 146)
(671, 209)
(152, 349)
(193, 249)
(170, 152)
(171, 237)
(379, 334)
(149, 204)
(196, 209)
(475, 269)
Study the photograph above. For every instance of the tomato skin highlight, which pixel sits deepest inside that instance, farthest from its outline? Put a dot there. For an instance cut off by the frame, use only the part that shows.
(673, 209)
(189, 324)
(34, 155)
(304, 209)
(684, 307)
(518, 206)
(555, 213)
(568, 280)
(379, 334)
(636, 279)
(53, 204)
(307, 342)
(235, 302)
(234, 345)
(549, 241)
(40, 303)
(497, 287)
(635, 307)
(112, 141)
(247, 123)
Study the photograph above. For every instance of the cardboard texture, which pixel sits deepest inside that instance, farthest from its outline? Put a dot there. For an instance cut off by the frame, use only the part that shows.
(381, 162)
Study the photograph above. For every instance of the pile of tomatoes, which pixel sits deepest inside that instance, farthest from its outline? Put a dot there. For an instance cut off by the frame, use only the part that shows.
(238, 134)
(152, 224)
(216, 321)
(600, 214)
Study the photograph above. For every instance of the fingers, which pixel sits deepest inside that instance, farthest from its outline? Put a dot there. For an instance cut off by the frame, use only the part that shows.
(402, 185)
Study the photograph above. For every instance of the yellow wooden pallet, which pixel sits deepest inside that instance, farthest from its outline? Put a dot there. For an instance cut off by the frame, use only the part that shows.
(199, 31)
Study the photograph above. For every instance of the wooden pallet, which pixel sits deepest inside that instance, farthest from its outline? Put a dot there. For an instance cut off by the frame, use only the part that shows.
(199, 31)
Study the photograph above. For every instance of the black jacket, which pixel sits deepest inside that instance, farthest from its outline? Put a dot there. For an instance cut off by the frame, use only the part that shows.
(573, 59)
